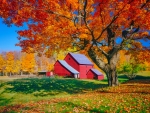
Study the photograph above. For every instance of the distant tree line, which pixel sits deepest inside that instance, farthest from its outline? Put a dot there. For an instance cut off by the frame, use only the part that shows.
(18, 63)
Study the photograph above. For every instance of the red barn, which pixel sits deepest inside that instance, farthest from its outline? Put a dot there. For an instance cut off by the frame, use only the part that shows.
(77, 66)
(79, 62)
(62, 68)
(95, 74)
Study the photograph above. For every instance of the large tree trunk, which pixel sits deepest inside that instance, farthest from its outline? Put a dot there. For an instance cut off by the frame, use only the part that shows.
(109, 68)
(112, 77)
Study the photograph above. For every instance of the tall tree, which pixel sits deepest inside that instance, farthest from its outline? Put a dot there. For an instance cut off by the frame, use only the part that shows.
(28, 62)
(10, 62)
(92, 26)
(17, 67)
(2, 64)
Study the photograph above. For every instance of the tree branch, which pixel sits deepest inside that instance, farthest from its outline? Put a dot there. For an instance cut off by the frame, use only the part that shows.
(113, 20)
(99, 62)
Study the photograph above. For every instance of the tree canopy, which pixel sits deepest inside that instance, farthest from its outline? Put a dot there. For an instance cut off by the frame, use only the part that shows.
(100, 28)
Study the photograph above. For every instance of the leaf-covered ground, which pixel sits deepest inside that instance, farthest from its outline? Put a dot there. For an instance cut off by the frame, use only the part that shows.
(130, 97)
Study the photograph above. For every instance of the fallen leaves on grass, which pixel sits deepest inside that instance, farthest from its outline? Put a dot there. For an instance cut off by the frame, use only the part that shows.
(132, 96)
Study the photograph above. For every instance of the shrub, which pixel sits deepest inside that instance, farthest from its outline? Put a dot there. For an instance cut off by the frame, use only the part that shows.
(131, 69)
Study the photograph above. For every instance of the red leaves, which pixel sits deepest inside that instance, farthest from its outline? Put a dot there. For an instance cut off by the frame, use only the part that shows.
(40, 15)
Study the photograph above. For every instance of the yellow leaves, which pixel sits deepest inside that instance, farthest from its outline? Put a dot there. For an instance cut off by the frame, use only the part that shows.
(61, 55)
(50, 67)
(2, 63)
(17, 66)
(9, 62)
(122, 58)
(28, 62)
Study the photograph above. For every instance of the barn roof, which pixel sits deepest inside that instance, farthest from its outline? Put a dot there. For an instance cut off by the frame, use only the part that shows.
(81, 59)
(67, 66)
(96, 71)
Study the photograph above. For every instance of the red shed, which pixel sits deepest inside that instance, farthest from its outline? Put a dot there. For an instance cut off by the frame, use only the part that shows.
(62, 68)
(49, 73)
(80, 63)
(95, 74)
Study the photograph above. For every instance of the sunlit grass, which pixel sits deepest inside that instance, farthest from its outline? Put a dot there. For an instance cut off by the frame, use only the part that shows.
(144, 73)
(34, 89)
(75, 95)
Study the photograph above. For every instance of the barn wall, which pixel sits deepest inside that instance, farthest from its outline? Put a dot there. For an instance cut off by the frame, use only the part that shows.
(100, 77)
(83, 70)
(90, 75)
(60, 70)
(72, 62)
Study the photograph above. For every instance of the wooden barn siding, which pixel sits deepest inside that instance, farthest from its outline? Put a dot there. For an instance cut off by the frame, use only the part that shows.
(90, 75)
(71, 61)
(83, 71)
(60, 70)
(101, 77)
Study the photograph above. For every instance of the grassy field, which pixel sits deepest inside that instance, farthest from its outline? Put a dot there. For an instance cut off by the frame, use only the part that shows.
(65, 95)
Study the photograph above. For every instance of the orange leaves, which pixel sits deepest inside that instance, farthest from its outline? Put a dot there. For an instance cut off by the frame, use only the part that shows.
(132, 96)
(143, 56)
(137, 45)
(73, 4)
(120, 5)
(59, 24)
(82, 36)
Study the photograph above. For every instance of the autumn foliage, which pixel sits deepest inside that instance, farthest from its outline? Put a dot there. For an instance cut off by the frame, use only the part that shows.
(15, 63)
(92, 26)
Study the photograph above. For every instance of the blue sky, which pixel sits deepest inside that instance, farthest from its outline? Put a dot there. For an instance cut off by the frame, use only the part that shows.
(8, 37)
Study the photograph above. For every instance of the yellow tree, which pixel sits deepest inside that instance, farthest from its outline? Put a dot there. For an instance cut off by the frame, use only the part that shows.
(2, 64)
(28, 62)
(17, 66)
(92, 26)
(123, 58)
(61, 55)
(50, 67)
(10, 62)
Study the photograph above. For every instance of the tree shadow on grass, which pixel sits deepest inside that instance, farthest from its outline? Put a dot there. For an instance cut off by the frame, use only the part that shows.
(142, 77)
(52, 86)
(4, 101)
(137, 77)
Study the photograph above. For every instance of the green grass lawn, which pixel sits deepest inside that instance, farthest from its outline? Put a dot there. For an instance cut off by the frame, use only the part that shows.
(34, 89)
(74, 95)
